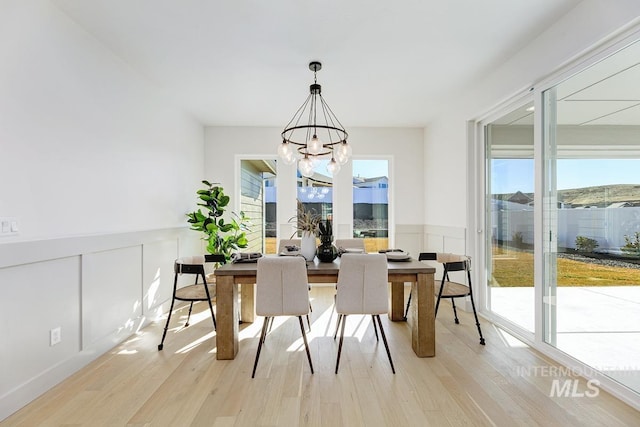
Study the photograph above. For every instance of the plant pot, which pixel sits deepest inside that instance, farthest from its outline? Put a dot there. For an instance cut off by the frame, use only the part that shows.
(308, 246)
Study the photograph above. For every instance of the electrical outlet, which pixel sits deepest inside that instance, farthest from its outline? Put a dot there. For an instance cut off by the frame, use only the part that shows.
(55, 336)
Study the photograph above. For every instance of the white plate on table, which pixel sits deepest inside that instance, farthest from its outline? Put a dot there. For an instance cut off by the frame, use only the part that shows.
(398, 256)
(353, 250)
(289, 253)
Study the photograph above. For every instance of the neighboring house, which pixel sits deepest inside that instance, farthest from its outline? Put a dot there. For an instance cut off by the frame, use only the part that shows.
(620, 205)
(521, 198)
(377, 182)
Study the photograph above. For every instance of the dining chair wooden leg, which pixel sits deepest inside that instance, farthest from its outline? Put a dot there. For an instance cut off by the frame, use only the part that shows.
(386, 345)
(308, 322)
(262, 337)
(344, 322)
(375, 328)
(306, 344)
(335, 334)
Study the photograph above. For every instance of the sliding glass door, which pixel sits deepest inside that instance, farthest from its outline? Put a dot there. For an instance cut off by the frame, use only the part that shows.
(509, 193)
(591, 216)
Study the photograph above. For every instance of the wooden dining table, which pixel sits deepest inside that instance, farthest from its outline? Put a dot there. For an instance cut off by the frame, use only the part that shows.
(421, 315)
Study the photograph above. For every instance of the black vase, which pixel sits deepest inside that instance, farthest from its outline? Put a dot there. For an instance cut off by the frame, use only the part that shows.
(326, 251)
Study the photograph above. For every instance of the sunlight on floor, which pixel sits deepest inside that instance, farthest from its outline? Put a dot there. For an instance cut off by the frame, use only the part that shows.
(196, 343)
(509, 340)
(323, 324)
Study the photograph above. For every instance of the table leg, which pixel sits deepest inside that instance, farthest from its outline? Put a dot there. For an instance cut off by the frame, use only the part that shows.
(227, 317)
(397, 301)
(247, 302)
(423, 327)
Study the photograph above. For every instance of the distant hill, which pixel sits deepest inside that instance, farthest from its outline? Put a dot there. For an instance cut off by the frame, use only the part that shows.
(601, 195)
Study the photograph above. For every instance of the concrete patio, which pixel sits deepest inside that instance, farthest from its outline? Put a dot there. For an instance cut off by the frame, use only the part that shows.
(599, 325)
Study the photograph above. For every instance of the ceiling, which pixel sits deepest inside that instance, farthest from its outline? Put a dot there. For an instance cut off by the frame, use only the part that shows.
(245, 63)
(606, 93)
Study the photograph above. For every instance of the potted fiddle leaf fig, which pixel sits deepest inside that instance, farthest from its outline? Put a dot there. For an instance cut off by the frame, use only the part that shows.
(222, 237)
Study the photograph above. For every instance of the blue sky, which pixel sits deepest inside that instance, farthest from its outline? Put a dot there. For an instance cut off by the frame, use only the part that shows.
(370, 168)
(511, 175)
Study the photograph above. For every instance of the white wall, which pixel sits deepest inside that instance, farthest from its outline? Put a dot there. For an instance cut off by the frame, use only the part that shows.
(404, 146)
(87, 145)
(99, 169)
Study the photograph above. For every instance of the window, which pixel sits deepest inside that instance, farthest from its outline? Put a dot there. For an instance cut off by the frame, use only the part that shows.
(316, 192)
(258, 202)
(371, 203)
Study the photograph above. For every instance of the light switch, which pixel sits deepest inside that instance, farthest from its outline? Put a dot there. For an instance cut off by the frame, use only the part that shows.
(9, 226)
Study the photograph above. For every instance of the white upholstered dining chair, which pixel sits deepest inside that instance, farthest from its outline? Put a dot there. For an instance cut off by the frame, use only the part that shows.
(281, 290)
(363, 288)
(282, 249)
(283, 243)
(345, 245)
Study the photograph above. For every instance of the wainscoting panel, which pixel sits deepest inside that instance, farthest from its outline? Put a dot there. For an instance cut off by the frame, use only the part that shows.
(157, 275)
(445, 239)
(410, 238)
(35, 299)
(111, 292)
(98, 289)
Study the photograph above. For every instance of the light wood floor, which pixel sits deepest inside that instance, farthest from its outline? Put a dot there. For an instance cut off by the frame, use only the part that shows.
(465, 384)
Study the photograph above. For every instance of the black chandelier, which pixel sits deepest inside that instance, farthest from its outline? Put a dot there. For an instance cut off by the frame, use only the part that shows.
(314, 132)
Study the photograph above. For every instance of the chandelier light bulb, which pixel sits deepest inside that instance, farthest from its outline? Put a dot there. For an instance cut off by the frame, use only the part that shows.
(333, 167)
(285, 150)
(314, 161)
(341, 158)
(315, 145)
(305, 166)
(290, 159)
(343, 152)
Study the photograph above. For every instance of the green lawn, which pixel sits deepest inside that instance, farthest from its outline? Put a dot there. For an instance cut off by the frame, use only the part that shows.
(513, 268)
